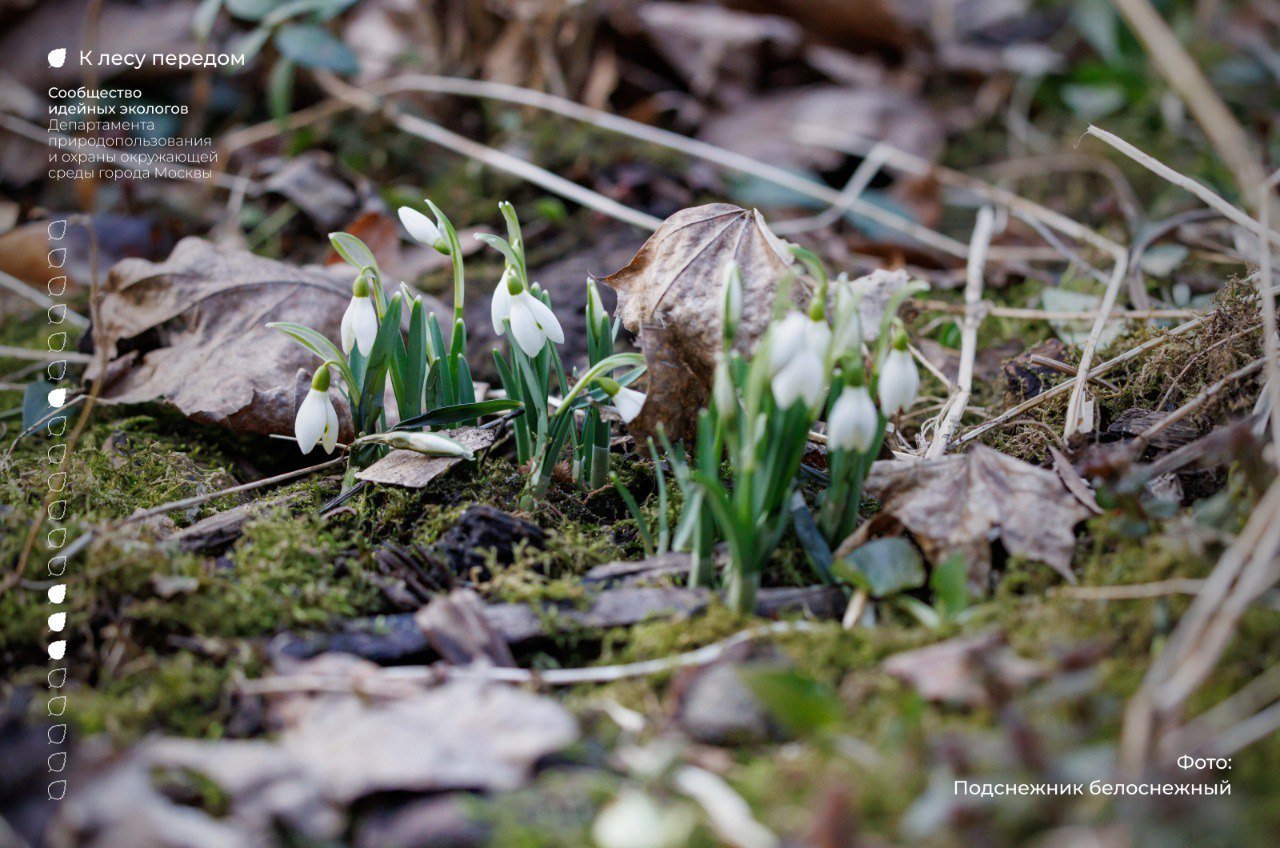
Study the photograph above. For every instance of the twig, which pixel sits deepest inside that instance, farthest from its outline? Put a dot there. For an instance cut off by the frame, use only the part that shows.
(492, 157)
(550, 677)
(954, 410)
(39, 298)
(10, 352)
(1131, 592)
(1144, 438)
(196, 500)
(858, 182)
(919, 356)
(673, 141)
(1246, 569)
(1183, 74)
(1229, 211)
(1270, 340)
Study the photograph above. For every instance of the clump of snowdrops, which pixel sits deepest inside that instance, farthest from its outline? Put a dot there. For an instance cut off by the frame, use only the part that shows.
(741, 485)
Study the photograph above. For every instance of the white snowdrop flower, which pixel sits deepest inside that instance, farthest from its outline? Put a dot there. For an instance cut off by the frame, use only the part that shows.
(627, 402)
(532, 321)
(797, 359)
(853, 421)
(899, 380)
(430, 444)
(317, 419)
(423, 229)
(360, 321)
(635, 820)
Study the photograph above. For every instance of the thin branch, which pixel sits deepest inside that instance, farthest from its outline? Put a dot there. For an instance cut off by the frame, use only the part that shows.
(1204, 396)
(954, 410)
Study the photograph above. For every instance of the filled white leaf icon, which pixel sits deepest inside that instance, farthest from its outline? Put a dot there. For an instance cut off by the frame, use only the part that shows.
(57, 57)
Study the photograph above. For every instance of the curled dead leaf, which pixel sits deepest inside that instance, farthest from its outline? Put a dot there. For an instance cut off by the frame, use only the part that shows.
(962, 504)
(671, 294)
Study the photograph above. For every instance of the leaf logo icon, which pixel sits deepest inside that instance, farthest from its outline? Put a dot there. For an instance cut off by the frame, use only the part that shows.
(57, 57)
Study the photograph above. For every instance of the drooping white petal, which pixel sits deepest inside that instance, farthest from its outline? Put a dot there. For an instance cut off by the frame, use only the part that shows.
(348, 333)
(329, 440)
(364, 323)
(802, 377)
(899, 382)
(500, 306)
(628, 402)
(787, 339)
(309, 424)
(547, 321)
(853, 421)
(524, 326)
(420, 227)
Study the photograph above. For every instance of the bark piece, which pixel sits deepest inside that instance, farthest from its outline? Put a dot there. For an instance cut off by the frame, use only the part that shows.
(457, 629)
(415, 470)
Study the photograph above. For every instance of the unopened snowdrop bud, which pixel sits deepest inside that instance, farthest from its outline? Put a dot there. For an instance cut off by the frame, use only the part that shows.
(899, 380)
(723, 392)
(732, 300)
(423, 229)
(797, 360)
(431, 444)
(317, 420)
(360, 321)
(532, 321)
(596, 312)
(628, 402)
(853, 421)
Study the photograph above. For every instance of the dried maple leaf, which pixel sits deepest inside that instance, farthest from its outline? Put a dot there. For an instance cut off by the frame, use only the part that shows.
(671, 294)
(964, 503)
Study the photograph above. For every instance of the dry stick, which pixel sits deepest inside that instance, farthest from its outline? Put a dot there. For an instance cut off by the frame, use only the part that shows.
(1025, 313)
(196, 500)
(1184, 75)
(10, 352)
(1270, 341)
(1243, 572)
(1248, 701)
(1132, 591)
(423, 675)
(672, 141)
(1229, 211)
(499, 159)
(1144, 438)
(914, 164)
(919, 356)
(862, 177)
(39, 298)
(954, 410)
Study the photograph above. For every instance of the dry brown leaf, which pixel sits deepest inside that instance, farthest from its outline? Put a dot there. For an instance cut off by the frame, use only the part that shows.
(672, 295)
(415, 470)
(191, 331)
(969, 671)
(459, 735)
(961, 504)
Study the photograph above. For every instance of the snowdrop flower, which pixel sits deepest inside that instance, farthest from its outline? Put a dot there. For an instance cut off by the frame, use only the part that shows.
(899, 380)
(431, 444)
(627, 401)
(360, 321)
(423, 229)
(635, 820)
(317, 420)
(797, 359)
(853, 421)
(532, 321)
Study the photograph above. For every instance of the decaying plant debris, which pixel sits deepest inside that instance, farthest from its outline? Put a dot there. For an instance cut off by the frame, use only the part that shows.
(496, 614)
